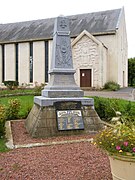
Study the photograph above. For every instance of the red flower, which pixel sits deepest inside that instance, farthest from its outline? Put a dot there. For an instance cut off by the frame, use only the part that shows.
(125, 143)
(118, 148)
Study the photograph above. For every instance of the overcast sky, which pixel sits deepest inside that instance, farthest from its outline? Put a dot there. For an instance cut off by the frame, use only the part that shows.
(25, 10)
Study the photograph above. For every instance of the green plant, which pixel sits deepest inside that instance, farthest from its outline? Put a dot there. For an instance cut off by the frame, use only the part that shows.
(104, 108)
(25, 101)
(11, 84)
(2, 120)
(118, 138)
(3, 147)
(38, 87)
(111, 85)
(131, 71)
(12, 109)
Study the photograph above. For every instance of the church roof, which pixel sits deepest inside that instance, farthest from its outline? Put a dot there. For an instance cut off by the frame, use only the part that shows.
(104, 22)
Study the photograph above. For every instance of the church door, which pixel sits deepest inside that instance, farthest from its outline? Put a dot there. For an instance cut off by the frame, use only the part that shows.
(85, 77)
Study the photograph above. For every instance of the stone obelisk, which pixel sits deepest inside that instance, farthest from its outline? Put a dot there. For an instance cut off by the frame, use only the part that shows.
(62, 82)
(62, 109)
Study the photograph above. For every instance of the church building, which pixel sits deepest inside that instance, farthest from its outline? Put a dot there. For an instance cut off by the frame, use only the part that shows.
(99, 49)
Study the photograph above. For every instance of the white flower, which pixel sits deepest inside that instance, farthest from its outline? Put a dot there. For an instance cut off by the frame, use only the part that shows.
(118, 113)
(114, 119)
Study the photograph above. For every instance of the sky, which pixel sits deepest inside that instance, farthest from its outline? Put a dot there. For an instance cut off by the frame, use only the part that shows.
(26, 10)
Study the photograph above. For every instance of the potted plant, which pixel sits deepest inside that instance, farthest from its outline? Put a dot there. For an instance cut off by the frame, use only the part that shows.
(118, 140)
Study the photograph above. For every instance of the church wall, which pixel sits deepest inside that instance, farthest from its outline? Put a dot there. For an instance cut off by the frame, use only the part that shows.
(117, 53)
(9, 62)
(110, 43)
(104, 65)
(38, 62)
(23, 63)
(122, 57)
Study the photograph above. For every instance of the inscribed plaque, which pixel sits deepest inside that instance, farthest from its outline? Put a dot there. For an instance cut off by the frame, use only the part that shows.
(70, 120)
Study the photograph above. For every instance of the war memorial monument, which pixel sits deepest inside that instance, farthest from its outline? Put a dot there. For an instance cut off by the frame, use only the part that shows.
(62, 108)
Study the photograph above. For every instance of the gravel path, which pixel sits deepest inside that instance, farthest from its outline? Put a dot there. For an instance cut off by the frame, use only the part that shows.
(74, 161)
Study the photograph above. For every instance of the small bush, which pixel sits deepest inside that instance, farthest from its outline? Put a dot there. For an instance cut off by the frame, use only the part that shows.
(104, 108)
(38, 87)
(2, 120)
(13, 109)
(113, 86)
(11, 84)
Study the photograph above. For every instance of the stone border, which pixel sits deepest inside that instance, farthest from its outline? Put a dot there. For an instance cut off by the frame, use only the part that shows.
(52, 143)
(10, 143)
(9, 137)
(133, 94)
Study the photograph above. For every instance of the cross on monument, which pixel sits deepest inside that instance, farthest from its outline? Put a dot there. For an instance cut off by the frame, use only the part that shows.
(63, 24)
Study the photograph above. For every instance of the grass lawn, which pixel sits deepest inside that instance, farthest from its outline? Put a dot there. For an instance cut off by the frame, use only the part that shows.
(26, 103)
(7, 91)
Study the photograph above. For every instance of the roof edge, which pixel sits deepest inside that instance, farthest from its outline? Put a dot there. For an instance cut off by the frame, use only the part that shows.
(50, 38)
(118, 22)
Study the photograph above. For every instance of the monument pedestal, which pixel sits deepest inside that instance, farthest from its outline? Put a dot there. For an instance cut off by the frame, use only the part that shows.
(42, 121)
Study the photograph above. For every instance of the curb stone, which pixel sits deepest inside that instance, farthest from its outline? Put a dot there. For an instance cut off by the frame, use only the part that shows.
(10, 143)
(133, 94)
(9, 137)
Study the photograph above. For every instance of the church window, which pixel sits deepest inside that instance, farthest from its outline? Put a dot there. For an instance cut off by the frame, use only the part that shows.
(31, 62)
(46, 61)
(3, 63)
(16, 57)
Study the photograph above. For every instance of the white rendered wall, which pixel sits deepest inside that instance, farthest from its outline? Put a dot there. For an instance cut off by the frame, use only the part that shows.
(39, 62)
(110, 42)
(105, 65)
(117, 53)
(10, 62)
(122, 51)
(23, 63)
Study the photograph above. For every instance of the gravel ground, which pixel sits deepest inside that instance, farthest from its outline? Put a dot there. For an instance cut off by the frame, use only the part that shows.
(21, 136)
(74, 161)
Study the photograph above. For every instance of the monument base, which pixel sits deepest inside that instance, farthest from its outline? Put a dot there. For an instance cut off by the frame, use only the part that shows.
(42, 121)
(62, 93)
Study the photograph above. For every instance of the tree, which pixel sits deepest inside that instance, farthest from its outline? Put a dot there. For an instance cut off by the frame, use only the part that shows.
(131, 71)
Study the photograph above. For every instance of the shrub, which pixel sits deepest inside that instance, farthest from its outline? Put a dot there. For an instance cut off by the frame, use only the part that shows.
(11, 84)
(2, 120)
(113, 86)
(13, 109)
(104, 108)
(38, 87)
